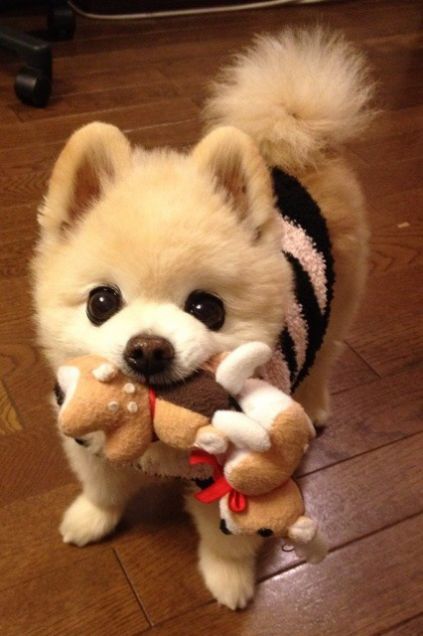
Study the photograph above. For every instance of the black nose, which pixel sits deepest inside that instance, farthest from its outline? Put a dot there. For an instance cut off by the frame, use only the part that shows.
(148, 354)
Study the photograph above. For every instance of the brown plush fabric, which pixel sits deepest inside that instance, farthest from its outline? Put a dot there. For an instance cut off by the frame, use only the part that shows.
(180, 410)
(275, 511)
(130, 440)
(200, 394)
(177, 425)
(258, 473)
(128, 432)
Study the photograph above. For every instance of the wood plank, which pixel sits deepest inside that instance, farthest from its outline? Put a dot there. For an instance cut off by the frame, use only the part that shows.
(99, 100)
(24, 176)
(387, 334)
(350, 499)
(369, 416)
(157, 506)
(389, 177)
(397, 231)
(396, 247)
(358, 497)
(393, 209)
(393, 122)
(350, 593)
(41, 550)
(406, 145)
(88, 596)
(412, 627)
(162, 568)
(131, 117)
(9, 420)
(350, 371)
(158, 549)
(17, 235)
(32, 462)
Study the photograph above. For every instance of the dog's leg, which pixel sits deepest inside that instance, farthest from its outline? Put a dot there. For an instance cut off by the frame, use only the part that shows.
(226, 562)
(105, 493)
(313, 393)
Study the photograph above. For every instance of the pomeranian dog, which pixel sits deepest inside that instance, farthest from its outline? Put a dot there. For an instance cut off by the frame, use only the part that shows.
(158, 260)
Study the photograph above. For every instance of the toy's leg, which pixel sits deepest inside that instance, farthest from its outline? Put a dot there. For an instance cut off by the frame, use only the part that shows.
(105, 493)
(227, 563)
(241, 430)
(308, 542)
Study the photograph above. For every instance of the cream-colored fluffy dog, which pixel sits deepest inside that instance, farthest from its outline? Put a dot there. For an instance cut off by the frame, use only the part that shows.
(157, 260)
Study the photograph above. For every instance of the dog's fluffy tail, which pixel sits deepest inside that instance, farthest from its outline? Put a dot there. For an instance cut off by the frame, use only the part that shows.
(299, 95)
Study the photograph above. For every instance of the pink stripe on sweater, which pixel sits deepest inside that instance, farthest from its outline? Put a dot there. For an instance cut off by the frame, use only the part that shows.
(296, 242)
(298, 331)
(277, 373)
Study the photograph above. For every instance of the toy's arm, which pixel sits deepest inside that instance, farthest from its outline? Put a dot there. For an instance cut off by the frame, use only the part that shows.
(232, 427)
(240, 364)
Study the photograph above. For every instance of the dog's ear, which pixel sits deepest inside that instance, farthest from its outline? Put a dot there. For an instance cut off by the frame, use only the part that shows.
(93, 158)
(240, 172)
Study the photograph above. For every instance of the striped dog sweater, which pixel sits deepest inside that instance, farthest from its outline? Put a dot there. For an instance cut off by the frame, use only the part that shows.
(306, 245)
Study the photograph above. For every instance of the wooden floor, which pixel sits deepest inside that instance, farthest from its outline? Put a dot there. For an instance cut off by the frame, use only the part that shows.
(363, 477)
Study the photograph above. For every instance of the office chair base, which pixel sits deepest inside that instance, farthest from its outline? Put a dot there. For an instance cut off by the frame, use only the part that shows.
(33, 87)
(60, 21)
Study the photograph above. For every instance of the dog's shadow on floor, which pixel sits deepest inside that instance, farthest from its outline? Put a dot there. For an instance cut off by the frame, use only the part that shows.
(158, 505)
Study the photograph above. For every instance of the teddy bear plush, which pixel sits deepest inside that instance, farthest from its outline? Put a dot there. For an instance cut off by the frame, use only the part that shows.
(251, 435)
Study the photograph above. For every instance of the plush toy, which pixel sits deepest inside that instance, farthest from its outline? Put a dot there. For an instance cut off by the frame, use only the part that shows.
(262, 444)
(95, 395)
(249, 433)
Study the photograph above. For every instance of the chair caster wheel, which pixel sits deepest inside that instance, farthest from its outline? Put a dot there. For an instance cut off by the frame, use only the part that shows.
(33, 87)
(61, 22)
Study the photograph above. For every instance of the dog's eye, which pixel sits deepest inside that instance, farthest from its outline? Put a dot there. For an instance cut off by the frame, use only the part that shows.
(206, 308)
(103, 302)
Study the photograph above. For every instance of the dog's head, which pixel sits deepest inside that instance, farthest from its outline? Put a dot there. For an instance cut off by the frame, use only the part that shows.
(158, 260)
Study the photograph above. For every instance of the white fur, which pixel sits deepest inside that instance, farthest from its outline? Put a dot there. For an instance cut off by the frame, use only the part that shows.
(262, 402)
(298, 95)
(308, 542)
(162, 224)
(227, 563)
(96, 512)
(67, 377)
(241, 430)
(84, 522)
(303, 530)
(241, 364)
(211, 441)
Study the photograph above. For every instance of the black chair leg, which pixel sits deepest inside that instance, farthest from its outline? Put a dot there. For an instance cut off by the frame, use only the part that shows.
(33, 82)
(60, 20)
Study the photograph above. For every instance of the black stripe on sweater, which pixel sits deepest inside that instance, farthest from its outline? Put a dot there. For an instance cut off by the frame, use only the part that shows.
(288, 351)
(296, 204)
(316, 323)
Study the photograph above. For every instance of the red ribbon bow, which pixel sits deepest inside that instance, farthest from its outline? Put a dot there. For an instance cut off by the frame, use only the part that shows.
(237, 501)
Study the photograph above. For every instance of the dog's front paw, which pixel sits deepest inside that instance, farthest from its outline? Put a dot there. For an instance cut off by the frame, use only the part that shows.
(231, 581)
(84, 522)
